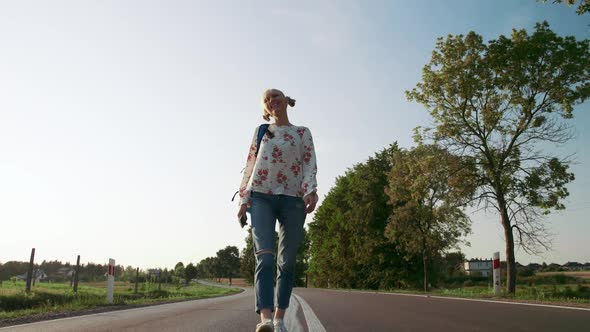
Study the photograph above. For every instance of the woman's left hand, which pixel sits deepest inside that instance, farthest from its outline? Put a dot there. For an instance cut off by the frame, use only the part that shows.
(310, 201)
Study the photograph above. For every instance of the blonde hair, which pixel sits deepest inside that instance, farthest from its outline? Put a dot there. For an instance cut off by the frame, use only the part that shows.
(265, 113)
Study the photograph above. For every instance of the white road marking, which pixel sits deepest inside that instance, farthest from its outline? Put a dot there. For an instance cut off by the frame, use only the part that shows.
(462, 299)
(291, 321)
(313, 323)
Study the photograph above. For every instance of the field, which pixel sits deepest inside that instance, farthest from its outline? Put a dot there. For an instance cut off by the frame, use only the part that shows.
(555, 288)
(569, 288)
(563, 294)
(59, 297)
(578, 274)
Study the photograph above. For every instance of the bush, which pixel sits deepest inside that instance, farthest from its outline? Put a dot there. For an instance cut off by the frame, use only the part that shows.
(155, 294)
(525, 272)
(468, 283)
(460, 280)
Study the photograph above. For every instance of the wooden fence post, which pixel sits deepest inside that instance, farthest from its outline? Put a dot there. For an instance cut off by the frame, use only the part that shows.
(159, 280)
(76, 275)
(136, 279)
(30, 271)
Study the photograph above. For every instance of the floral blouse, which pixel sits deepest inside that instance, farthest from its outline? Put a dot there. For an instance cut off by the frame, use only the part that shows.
(286, 164)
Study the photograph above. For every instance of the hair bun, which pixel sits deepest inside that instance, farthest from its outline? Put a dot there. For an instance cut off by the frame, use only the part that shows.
(290, 101)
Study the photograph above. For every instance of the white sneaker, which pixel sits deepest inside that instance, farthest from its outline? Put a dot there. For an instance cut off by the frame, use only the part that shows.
(280, 325)
(265, 326)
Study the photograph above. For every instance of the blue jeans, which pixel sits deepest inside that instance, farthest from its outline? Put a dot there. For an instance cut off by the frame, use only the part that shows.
(265, 210)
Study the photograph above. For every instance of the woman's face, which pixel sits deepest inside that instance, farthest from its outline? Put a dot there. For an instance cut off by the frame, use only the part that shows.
(275, 101)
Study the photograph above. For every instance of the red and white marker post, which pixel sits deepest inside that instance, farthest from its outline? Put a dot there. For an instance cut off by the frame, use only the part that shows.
(497, 271)
(110, 280)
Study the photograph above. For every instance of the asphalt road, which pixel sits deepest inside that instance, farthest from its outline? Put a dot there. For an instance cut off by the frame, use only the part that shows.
(358, 311)
(325, 310)
(230, 313)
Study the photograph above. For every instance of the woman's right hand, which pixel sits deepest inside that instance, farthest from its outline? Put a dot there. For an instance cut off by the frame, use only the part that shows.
(242, 211)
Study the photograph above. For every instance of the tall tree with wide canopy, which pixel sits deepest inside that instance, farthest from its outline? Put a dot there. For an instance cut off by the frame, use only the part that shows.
(504, 103)
(583, 5)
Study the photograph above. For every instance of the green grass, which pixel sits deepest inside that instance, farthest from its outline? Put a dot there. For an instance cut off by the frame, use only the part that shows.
(568, 293)
(59, 297)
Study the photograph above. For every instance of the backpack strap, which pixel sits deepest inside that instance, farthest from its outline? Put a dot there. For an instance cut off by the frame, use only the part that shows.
(263, 129)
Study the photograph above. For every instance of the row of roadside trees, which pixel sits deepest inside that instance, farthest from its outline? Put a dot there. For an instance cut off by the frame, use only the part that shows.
(392, 221)
(225, 264)
(497, 108)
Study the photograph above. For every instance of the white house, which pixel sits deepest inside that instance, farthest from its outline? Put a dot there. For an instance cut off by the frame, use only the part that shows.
(65, 271)
(38, 275)
(478, 267)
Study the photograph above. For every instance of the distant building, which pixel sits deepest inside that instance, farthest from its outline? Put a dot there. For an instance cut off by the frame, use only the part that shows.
(38, 275)
(478, 267)
(573, 266)
(65, 272)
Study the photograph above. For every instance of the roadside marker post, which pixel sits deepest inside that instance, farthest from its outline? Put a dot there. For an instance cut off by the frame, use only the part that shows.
(497, 271)
(110, 281)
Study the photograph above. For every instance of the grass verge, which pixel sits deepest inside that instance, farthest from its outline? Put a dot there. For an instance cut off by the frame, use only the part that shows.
(59, 298)
(574, 295)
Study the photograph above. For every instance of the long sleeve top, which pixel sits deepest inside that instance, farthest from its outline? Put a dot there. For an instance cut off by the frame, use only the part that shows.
(285, 165)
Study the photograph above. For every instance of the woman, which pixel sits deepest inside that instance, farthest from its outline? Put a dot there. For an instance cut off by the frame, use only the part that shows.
(279, 183)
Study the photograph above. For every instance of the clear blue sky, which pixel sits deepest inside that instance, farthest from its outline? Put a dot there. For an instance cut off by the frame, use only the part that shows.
(124, 124)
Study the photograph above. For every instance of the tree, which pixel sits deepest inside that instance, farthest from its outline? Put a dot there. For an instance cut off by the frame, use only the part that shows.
(190, 272)
(51, 267)
(500, 103)
(205, 268)
(452, 263)
(229, 262)
(128, 274)
(302, 261)
(12, 269)
(179, 272)
(165, 275)
(94, 272)
(216, 268)
(247, 259)
(348, 246)
(429, 186)
(584, 6)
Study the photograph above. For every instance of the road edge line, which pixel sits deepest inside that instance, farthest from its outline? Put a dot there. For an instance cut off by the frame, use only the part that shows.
(463, 299)
(313, 323)
(291, 322)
